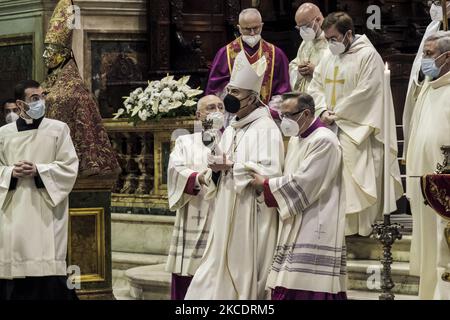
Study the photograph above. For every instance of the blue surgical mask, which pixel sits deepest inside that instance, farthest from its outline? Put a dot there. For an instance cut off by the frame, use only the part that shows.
(429, 68)
(36, 109)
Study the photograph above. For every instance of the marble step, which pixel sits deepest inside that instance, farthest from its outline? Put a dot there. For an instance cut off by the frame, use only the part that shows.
(126, 260)
(121, 286)
(144, 234)
(153, 283)
(370, 295)
(364, 248)
(365, 275)
(149, 282)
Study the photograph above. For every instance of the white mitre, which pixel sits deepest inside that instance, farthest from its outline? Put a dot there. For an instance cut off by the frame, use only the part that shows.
(248, 76)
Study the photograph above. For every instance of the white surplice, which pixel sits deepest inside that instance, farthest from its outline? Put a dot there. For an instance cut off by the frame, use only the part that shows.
(243, 233)
(311, 251)
(34, 222)
(351, 85)
(430, 129)
(414, 86)
(311, 51)
(193, 217)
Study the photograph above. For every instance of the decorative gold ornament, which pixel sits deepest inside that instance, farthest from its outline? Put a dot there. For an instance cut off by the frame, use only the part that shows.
(59, 28)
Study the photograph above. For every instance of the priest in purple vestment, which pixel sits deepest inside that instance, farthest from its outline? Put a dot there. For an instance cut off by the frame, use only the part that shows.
(276, 80)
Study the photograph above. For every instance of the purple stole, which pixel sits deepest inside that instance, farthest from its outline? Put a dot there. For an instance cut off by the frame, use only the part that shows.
(268, 49)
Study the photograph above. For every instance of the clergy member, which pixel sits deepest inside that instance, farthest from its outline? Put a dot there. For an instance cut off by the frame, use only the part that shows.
(188, 176)
(10, 110)
(243, 233)
(38, 168)
(416, 78)
(309, 20)
(309, 261)
(347, 88)
(276, 77)
(430, 129)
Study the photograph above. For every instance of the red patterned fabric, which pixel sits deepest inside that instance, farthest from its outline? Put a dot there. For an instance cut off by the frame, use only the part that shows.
(190, 185)
(436, 191)
(70, 101)
(269, 199)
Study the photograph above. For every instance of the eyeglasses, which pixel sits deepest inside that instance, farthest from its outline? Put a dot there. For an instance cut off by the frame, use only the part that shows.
(213, 106)
(305, 25)
(289, 115)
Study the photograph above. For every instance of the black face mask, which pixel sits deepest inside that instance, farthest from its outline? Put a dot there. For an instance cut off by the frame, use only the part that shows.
(232, 104)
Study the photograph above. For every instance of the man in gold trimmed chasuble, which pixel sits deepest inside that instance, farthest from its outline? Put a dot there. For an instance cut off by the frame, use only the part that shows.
(69, 100)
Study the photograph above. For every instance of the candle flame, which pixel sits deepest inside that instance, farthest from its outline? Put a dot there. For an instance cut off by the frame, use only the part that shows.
(386, 66)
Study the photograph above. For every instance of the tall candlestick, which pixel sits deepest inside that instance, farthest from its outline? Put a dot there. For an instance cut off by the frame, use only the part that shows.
(444, 14)
(387, 140)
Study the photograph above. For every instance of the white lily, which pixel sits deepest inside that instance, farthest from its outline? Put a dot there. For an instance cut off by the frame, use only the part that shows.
(194, 92)
(135, 110)
(175, 105)
(178, 96)
(190, 103)
(120, 112)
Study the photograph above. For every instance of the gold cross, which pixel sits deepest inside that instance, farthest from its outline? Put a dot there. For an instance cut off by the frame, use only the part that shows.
(334, 81)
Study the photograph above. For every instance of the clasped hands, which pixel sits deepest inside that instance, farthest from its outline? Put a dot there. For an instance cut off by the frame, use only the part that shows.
(306, 69)
(23, 169)
(222, 162)
(328, 117)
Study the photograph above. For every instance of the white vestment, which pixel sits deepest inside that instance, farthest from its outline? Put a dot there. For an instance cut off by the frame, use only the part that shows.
(430, 129)
(351, 85)
(311, 252)
(193, 216)
(34, 221)
(414, 85)
(311, 51)
(243, 233)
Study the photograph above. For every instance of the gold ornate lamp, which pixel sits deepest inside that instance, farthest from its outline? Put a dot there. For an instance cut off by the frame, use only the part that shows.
(436, 191)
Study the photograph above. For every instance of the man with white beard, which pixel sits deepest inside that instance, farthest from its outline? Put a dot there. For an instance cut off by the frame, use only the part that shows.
(243, 233)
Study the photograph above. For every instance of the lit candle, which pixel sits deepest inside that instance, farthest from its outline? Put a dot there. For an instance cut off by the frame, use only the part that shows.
(387, 135)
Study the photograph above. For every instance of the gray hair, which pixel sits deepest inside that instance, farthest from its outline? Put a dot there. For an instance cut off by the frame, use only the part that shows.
(442, 39)
(249, 11)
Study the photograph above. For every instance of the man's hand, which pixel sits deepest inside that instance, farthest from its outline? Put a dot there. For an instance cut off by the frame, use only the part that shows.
(17, 170)
(257, 182)
(219, 162)
(24, 169)
(328, 117)
(306, 69)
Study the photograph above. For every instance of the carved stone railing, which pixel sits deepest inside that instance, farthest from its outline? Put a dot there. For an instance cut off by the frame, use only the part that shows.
(143, 153)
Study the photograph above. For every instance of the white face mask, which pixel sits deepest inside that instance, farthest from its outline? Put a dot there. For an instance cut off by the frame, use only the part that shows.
(289, 127)
(252, 40)
(11, 117)
(308, 33)
(217, 119)
(337, 47)
(36, 109)
(436, 13)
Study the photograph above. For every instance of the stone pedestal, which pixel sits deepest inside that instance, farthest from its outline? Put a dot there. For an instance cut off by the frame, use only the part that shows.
(89, 242)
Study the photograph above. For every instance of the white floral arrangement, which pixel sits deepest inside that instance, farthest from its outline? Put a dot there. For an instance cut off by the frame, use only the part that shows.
(163, 98)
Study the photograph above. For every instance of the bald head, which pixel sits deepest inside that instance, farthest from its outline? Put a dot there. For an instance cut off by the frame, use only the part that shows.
(309, 15)
(250, 15)
(208, 104)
